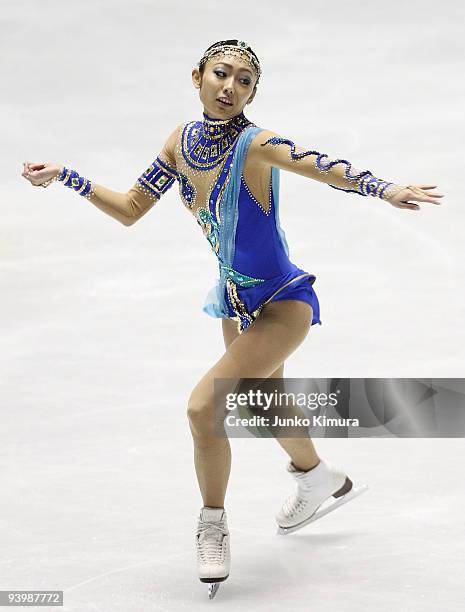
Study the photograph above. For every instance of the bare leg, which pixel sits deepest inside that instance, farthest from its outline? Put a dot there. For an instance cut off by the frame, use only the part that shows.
(300, 449)
(256, 353)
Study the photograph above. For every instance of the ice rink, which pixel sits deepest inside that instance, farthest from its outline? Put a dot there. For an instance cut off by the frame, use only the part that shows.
(103, 335)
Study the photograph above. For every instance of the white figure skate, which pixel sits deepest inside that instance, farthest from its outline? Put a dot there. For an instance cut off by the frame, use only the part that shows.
(213, 550)
(314, 488)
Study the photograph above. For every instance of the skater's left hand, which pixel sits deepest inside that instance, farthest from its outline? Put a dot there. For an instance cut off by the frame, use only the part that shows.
(417, 193)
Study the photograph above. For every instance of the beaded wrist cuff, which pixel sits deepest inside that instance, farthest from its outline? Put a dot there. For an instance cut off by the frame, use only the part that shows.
(391, 191)
(366, 184)
(370, 185)
(71, 179)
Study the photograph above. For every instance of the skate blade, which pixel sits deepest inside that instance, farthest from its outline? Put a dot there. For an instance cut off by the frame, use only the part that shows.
(212, 589)
(319, 512)
(216, 579)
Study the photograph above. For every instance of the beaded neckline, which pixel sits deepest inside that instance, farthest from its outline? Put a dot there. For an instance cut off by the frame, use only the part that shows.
(206, 144)
(218, 128)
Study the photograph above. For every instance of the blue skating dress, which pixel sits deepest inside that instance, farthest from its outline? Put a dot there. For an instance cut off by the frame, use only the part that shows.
(249, 243)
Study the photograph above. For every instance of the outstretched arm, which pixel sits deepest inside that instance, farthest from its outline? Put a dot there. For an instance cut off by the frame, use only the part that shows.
(271, 149)
(126, 207)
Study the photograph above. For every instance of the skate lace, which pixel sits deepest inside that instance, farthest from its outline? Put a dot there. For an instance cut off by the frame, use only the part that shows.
(294, 504)
(298, 501)
(210, 542)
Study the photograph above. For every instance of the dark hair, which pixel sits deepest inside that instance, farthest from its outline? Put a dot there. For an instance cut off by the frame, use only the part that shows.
(233, 41)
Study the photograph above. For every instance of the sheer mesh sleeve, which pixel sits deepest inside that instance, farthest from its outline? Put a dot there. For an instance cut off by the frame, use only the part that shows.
(337, 173)
(130, 206)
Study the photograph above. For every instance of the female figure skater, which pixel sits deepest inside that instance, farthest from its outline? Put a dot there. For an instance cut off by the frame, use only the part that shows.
(227, 169)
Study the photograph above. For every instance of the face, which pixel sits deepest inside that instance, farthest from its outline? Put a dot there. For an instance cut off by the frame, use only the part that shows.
(225, 77)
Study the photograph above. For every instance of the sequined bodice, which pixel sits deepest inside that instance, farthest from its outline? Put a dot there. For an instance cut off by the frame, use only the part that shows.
(204, 153)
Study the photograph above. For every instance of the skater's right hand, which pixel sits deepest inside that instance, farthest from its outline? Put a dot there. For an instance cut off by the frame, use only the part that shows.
(41, 175)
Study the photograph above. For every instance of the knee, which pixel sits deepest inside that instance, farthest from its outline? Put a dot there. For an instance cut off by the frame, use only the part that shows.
(201, 417)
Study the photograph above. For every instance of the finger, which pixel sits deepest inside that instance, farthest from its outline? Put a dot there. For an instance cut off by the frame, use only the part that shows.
(427, 200)
(418, 196)
(38, 174)
(410, 206)
(431, 195)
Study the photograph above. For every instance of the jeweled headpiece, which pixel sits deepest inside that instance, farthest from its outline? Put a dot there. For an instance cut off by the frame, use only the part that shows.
(241, 49)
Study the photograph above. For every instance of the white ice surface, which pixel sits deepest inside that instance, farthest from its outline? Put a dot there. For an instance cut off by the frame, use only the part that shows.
(102, 334)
